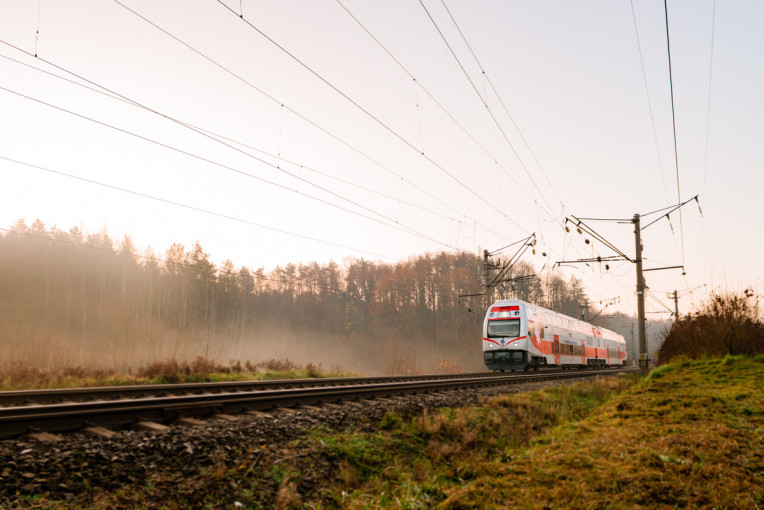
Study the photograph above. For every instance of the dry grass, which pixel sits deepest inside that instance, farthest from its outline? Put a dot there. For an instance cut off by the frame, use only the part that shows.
(448, 365)
(727, 323)
(170, 371)
(689, 438)
(410, 463)
(399, 364)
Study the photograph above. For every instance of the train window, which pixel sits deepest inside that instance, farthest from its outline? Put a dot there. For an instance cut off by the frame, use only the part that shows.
(508, 328)
(542, 331)
(589, 341)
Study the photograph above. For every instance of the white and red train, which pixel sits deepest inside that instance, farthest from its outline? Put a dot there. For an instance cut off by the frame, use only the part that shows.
(521, 336)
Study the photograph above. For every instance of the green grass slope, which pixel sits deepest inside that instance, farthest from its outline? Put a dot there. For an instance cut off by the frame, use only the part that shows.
(690, 436)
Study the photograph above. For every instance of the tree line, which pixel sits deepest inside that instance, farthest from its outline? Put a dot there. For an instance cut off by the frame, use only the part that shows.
(78, 299)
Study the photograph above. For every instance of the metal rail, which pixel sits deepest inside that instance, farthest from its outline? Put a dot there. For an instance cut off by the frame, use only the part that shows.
(62, 395)
(69, 416)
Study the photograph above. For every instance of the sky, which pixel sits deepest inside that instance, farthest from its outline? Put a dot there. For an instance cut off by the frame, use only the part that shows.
(278, 132)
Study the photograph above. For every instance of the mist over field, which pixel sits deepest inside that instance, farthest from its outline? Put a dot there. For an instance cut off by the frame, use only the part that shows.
(71, 299)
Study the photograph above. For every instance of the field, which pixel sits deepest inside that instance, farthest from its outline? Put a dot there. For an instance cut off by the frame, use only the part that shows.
(22, 377)
(691, 435)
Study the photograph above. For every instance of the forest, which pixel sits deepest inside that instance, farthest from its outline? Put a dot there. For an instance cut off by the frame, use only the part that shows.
(73, 299)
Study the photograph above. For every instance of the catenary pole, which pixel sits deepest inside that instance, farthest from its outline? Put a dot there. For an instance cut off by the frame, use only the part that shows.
(640, 298)
(487, 280)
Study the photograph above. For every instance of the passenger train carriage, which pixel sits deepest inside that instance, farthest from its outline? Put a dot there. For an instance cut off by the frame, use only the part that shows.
(520, 336)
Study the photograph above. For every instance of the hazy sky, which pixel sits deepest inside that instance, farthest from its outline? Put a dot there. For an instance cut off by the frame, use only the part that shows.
(384, 149)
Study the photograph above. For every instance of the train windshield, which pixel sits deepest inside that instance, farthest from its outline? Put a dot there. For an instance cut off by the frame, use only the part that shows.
(509, 328)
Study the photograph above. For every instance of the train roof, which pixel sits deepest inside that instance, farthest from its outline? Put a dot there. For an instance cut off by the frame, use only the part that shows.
(596, 330)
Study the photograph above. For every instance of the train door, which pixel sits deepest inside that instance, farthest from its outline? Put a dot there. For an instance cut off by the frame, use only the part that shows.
(556, 349)
(583, 352)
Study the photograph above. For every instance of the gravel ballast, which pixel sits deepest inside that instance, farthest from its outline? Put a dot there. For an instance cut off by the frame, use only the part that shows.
(79, 466)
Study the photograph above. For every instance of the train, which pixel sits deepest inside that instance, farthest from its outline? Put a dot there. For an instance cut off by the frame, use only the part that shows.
(522, 336)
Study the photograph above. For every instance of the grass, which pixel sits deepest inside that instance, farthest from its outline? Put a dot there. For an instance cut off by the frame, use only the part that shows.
(22, 377)
(416, 463)
(691, 435)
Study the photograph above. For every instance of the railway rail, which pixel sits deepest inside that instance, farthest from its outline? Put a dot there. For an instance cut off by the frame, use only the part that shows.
(71, 409)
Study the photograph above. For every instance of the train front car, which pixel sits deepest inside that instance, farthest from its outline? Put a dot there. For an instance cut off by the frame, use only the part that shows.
(520, 336)
(505, 336)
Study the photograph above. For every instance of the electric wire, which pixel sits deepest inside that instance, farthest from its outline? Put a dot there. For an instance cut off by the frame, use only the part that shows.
(710, 81)
(296, 113)
(486, 105)
(657, 300)
(435, 100)
(474, 87)
(373, 117)
(598, 281)
(649, 103)
(230, 168)
(116, 96)
(673, 123)
(192, 208)
(501, 101)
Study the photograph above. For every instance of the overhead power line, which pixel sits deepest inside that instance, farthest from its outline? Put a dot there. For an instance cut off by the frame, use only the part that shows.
(673, 123)
(493, 117)
(435, 100)
(710, 81)
(371, 116)
(393, 224)
(298, 114)
(495, 120)
(503, 105)
(649, 103)
(194, 208)
(111, 94)
(597, 281)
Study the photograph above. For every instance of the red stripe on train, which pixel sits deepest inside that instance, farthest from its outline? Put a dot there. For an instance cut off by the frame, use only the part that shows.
(505, 308)
(506, 344)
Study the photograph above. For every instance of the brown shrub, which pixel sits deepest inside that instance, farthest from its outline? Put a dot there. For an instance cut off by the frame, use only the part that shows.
(313, 370)
(287, 496)
(725, 324)
(448, 365)
(277, 365)
(398, 364)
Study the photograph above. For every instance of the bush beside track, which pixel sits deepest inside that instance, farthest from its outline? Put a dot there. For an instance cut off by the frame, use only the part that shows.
(726, 323)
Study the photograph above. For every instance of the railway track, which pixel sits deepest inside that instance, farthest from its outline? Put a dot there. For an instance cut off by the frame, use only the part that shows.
(70, 409)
